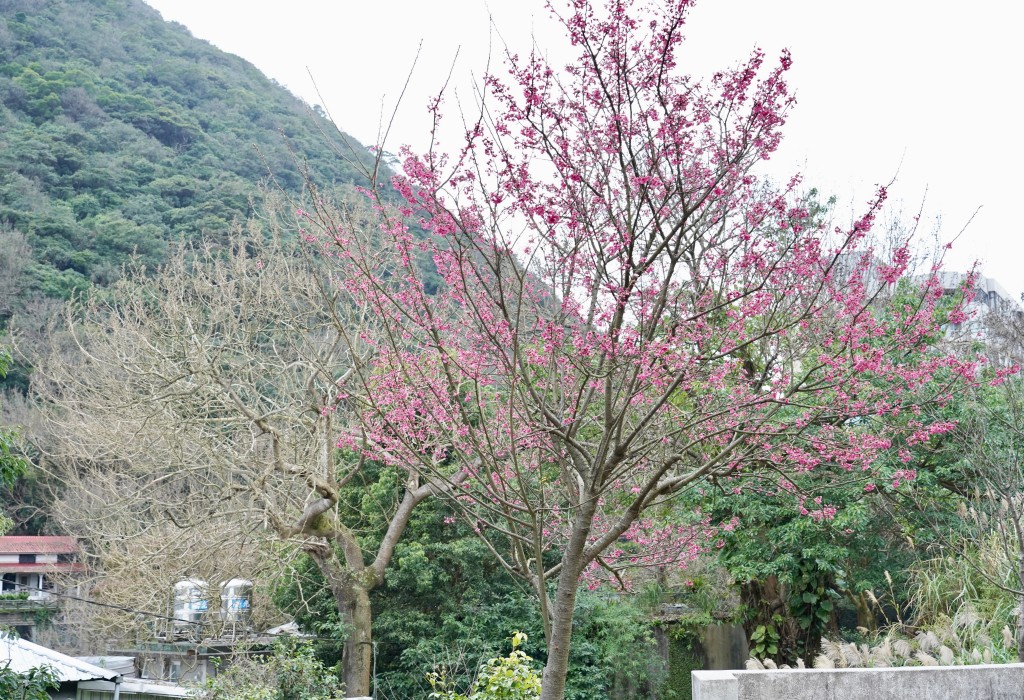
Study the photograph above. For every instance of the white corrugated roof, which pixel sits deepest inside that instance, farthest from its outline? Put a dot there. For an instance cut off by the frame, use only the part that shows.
(124, 665)
(23, 656)
(144, 687)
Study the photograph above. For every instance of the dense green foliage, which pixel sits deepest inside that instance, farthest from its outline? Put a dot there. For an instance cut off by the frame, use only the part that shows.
(292, 672)
(33, 685)
(682, 661)
(793, 570)
(22, 595)
(12, 465)
(811, 547)
(512, 677)
(120, 132)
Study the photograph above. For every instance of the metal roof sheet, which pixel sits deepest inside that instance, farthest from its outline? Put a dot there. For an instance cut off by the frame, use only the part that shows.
(144, 687)
(40, 544)
(23, 655)
(124, 665)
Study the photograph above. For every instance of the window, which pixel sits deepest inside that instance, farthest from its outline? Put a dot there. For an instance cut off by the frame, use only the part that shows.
(26, 558)
(151, 668)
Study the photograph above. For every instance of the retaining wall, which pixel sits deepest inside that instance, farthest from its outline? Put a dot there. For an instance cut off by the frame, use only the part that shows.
(988, 682)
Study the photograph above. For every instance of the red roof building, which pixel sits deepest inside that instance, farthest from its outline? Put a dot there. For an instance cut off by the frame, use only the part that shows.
(26, 561)
(38, 545)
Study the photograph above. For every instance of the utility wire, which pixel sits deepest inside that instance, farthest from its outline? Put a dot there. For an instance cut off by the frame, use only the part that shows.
(145, 613)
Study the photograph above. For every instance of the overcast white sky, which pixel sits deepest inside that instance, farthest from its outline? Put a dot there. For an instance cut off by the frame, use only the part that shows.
(927, 92)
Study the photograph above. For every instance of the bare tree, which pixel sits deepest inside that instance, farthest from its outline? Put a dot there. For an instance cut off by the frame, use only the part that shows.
(207, 398)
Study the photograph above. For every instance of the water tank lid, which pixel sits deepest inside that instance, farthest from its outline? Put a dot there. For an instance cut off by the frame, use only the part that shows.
(236, 583)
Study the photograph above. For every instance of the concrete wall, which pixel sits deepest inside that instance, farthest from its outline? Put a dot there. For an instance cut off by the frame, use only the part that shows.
(991, 682)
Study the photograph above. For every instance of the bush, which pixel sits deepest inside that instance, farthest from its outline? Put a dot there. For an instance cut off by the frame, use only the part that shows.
(291, 673)
(504, 678)
(22, 595)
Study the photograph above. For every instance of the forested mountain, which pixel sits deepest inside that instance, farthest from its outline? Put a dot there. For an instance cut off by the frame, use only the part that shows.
(120, 132)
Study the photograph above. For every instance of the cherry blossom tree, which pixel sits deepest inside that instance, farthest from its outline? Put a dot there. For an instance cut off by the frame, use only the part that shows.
(627, 310)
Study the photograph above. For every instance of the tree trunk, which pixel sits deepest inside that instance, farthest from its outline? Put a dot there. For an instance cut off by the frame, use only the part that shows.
(357, 654)
(557, 667)
(352, 597)
(866, 617)
(1020, 629)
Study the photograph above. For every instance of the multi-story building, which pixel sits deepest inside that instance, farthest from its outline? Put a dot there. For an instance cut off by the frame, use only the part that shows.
(994, 319)
(28, 567)
(28, 564)
(989, 295)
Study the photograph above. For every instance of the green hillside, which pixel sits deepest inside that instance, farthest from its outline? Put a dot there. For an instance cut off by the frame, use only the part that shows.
(120, 131)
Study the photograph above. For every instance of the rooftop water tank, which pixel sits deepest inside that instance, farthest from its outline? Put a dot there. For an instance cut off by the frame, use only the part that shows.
(191, 602)
(236, 602)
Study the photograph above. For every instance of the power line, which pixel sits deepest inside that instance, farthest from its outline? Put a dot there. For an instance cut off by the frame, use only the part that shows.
(99, 603)
(146, 613)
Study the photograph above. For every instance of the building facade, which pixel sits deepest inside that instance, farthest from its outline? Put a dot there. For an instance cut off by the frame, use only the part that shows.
(29, 564)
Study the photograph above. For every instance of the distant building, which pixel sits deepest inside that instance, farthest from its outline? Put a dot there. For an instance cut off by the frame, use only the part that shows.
(989, 295)
(994, 319)
(209, 627)
(192, 662)
(28, 564)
